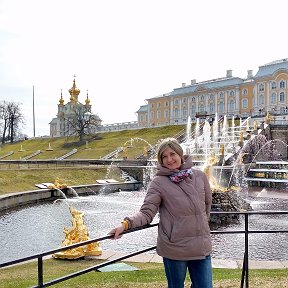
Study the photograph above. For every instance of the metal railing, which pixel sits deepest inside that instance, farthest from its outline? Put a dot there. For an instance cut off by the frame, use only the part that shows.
(245, 266)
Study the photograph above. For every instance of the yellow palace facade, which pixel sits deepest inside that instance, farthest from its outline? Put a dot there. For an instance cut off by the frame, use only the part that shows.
(266, 91)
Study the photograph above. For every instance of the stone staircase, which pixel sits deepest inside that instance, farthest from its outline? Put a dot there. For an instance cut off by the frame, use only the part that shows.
(31, 155)
(73, 151)
(7, 154)
(112, 154)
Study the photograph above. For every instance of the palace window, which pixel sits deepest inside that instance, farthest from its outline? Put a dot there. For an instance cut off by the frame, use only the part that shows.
(221, 95)
(202, 108)
(273, 98)
(261, 99)
(176, 101)
(232, 93)
(245, 92)
(231, 105)
(193, 99)
(176, 113)
(282, 97)
(261, 87)
(166, 114)
(221, 107)
(184, 111)
(273, 85)
(211, 97)
(152, 115)
(184, 100)
(158, 105)
(202, 98)
(211, 107)
(192, 110)
(245, 103)
(166, 104)
(158, 114)
(152, 105)
(282, 84)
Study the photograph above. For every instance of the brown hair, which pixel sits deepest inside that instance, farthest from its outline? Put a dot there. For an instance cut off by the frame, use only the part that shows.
(171, 143)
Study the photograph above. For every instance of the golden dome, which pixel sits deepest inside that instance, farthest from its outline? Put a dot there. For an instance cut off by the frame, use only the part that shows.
(61, 101)
(74, 92)
(87, 101)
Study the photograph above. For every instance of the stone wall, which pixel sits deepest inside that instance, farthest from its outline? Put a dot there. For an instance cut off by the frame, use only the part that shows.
(279, 133)
(17, 199)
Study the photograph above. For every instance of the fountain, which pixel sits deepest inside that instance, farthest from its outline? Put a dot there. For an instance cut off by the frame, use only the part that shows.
(103, 211)
(226, 150)
(76, 234)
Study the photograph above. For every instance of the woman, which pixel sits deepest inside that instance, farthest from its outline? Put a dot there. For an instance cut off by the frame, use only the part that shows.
(182, 196)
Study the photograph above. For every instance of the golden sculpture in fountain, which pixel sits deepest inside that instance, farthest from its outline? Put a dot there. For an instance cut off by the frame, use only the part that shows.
(57, 184)
(77, 233)
(208, 170)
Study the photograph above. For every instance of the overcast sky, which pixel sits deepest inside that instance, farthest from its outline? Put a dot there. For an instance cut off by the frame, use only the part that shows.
(124, 52)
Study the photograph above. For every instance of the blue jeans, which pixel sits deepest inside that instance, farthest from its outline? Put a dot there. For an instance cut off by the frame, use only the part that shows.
(200, 272)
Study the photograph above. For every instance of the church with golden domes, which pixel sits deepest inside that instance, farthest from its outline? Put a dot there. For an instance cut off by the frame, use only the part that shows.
(62, 124)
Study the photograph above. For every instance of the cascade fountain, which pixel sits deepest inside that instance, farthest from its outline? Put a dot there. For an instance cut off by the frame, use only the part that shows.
(228, 152)
(103, 211)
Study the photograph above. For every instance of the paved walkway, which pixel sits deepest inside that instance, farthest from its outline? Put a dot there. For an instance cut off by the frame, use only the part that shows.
(216, 263)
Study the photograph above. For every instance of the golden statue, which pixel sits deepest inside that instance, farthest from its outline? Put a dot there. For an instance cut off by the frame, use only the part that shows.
(255, 125)
(77, 233)
(241, 137)
(57, 184)
(268, 118)
(247, 125)
(208, 170)
(222, 150)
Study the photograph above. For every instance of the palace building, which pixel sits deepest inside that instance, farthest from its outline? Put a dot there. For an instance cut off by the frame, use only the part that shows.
(61, 125)
(254, 96)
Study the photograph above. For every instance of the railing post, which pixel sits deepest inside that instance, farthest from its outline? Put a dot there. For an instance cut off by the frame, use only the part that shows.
(40, 272)
(246, 250)
(245, 267)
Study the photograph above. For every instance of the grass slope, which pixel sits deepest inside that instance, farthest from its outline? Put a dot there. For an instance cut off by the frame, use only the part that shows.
(17, 177)
(98, 145)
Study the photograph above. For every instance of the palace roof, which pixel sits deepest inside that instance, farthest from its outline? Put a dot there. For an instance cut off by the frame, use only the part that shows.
(271, 68)
(211, 84)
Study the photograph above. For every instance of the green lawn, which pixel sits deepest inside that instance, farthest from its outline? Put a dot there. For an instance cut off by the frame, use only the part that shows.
(98, 145)
(149, 275)
(17, 177)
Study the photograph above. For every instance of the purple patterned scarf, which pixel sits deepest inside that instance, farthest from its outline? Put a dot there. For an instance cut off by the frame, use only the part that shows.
(181, 175)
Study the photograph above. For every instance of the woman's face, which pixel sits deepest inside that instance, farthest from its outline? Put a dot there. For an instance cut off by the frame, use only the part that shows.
(171, 159)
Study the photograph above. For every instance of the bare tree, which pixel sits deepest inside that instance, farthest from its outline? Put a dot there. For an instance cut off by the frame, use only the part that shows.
(12, 120)
(4, 116)
(81, 121)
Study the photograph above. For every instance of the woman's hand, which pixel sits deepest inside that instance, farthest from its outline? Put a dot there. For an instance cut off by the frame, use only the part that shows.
(117, 231)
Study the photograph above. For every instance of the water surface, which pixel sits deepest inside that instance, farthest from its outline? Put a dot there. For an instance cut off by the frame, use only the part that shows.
(38, 228)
